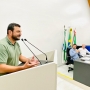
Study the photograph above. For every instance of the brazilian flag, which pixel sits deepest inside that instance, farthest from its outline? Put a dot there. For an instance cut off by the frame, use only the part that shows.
(70, 38)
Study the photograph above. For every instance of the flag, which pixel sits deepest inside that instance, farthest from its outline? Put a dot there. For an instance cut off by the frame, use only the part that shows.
(70, 38)
(64, 44)
(74, 37)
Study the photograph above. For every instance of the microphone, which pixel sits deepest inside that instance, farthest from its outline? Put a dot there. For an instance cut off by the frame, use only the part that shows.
(38, 49)
(31, 51)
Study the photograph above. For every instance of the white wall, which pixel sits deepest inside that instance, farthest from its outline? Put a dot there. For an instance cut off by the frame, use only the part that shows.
(42, 22)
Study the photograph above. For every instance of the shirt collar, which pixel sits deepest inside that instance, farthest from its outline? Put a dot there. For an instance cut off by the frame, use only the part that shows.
(83, 48)
(73, 48)
(9, 41)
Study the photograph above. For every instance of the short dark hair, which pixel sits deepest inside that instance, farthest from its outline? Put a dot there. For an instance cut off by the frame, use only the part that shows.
(11, 26)
(74, 44)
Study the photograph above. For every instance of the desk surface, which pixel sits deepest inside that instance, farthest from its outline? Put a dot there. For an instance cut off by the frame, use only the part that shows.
(83, 61)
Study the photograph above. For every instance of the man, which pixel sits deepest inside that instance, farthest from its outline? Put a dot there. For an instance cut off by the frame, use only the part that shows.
(74, 52)
(83, 51)
(10, 52)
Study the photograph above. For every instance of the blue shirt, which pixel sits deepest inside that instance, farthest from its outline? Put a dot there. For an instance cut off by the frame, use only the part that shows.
(73, 54)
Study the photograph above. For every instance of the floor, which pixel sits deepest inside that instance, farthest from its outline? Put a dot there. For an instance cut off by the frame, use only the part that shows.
(64, 70)
(65, 85)
(65, 80)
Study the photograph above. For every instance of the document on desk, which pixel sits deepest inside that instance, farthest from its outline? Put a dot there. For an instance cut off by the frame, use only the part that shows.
(86, 58)
(87, 62)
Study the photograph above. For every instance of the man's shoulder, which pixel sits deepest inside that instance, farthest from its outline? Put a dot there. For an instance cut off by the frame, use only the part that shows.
(3, 41)
(71, 49)
(86, 49)
(3, 44)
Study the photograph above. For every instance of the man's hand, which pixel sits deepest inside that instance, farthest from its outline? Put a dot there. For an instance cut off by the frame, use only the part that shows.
(28, 65)
(31, 61)
(77, 51)
(34, 61)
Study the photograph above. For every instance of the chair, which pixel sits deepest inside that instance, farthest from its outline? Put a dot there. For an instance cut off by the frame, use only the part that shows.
(78, 47)
(69, 60)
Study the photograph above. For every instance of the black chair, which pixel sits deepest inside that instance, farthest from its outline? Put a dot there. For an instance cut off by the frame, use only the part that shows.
(69, 60)
(78, 47)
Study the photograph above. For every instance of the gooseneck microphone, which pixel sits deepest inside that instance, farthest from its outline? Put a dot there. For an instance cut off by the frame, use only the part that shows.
(31, 50)
(38, 49)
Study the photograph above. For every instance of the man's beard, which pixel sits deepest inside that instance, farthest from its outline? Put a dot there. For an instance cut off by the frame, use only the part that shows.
(15, 37)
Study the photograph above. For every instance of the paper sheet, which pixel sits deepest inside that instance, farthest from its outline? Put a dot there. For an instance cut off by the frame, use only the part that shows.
(86, 58)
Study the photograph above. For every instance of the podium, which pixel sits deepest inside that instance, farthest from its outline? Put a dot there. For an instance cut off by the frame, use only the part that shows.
(42, 77)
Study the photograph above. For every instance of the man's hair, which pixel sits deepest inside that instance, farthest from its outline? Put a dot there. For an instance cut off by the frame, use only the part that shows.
(11, 26)
(74, 44)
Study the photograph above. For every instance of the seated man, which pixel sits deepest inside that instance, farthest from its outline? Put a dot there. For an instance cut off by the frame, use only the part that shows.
(83, 51)
(74, 52)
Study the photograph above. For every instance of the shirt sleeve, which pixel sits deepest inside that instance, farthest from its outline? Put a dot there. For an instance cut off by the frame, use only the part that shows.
(87, 51)
(3, 54)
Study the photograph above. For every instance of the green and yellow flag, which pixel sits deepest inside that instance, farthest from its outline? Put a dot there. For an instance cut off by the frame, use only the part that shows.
(70, 38)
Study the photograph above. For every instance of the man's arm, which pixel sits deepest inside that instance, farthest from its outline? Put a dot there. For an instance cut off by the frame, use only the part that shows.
(8, 69)
(23, 59)
(87, 51)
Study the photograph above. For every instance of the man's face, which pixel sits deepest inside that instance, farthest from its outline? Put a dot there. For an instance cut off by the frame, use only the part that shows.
(16, 34)
(74, 46)
(83, 46)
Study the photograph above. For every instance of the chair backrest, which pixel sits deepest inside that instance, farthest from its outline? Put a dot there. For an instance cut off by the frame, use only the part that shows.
(68, 49)
(68, 56)
(78, 47)
(88, 47)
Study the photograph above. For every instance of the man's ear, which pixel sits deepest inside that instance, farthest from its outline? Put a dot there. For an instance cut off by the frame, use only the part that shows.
(10, 32)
